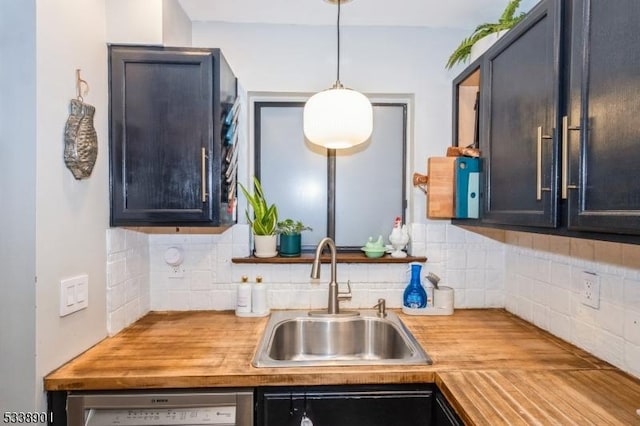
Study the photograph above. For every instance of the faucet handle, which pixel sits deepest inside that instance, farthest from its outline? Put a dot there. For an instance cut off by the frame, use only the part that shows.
(345, 295)
(382, 308)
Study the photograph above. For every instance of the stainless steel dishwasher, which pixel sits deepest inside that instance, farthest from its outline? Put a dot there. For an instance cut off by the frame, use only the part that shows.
(162, 408)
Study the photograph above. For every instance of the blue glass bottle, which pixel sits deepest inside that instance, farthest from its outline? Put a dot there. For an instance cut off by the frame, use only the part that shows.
(414, 295)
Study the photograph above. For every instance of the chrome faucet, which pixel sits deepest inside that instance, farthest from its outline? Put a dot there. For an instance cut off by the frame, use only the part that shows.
(335, 295)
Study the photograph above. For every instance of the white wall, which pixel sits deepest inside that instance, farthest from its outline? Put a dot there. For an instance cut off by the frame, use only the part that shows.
(134, 21)
(71, 216)
(176, 26)
(152, 22)
(18, 176)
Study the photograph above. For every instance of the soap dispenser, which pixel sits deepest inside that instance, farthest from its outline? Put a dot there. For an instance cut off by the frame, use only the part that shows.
(415, 296)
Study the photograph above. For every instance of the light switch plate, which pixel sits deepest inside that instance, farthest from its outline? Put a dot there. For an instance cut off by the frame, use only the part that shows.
(74, 294)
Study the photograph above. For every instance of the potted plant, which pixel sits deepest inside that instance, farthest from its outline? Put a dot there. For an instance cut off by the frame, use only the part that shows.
(290, 237)
(265, 219)
(506, 21)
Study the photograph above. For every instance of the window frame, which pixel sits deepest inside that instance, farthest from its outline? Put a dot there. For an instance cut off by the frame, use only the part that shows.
(331, 157)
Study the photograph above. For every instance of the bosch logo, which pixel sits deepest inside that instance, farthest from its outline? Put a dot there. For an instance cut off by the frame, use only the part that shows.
(158, 400)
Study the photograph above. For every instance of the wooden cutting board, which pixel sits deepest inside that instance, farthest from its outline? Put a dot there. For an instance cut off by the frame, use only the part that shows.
(441, 187)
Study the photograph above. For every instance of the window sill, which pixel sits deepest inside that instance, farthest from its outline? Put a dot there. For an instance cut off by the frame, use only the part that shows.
(341, 258)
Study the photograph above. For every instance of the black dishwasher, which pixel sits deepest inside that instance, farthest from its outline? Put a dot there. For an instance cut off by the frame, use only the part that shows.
(371, 405)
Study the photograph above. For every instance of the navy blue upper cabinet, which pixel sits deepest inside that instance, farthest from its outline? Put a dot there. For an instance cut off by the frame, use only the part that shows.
(520, 112)
(166, 138)
(559, 129)
(602, 127)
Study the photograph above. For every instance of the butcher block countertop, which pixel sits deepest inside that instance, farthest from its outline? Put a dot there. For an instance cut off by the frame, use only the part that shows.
(493, 367)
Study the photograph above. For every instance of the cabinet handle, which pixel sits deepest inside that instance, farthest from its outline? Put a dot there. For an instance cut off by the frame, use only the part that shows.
(539, 187)
(565, 156)
(203, 170)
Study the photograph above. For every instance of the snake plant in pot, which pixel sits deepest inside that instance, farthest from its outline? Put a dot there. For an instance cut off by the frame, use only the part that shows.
(290, 232)
(264, 222)
(487, 32)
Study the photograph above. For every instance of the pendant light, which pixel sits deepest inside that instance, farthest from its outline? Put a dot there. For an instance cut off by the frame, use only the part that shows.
(338, 117)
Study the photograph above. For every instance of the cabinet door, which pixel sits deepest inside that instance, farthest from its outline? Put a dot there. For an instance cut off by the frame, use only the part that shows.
(602, 122)
(520, 109)
(346, 407)
(161, 136)
(443, 414)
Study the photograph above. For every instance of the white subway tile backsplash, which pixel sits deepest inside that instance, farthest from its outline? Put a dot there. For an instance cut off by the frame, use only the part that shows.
(560, 324)
(494, 298)
(436, 233)
(609, 347)
(116, 240)
(200, 280)
(540, 316)
(582, 249)
(357, 272)
(455, 234)
(560, 245)
(631, 358)
(631, 256)
(418, 232)
(474, 279)
(200, 300)
(116, 272)
(560, 300)
(223, 299)
(611, 318)
(603, 331)
(631, 326)
(537, 277)
(632, 293)
(456, 258)
(128, 280)
(417, 249)
(560, 275)
(474, 298)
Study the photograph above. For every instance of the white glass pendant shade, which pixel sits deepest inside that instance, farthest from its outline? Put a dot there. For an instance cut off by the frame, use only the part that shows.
(338, 118)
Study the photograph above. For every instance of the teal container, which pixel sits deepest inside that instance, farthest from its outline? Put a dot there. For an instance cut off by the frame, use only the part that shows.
(415, 296)
(290, 245)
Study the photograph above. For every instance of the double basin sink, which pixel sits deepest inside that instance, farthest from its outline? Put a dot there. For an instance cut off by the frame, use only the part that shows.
(295, 339)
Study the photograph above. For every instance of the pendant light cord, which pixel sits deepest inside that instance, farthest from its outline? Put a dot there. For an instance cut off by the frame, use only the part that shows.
(338, 61)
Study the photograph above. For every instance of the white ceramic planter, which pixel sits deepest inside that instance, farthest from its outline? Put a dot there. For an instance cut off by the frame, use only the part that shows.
(483, 44)
(265, 245)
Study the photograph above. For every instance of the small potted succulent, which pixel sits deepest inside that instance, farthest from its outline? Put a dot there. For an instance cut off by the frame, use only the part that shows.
(290, 237)
(265, 220)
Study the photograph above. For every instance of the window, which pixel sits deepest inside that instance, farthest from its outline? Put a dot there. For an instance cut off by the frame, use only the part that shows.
(349, 195)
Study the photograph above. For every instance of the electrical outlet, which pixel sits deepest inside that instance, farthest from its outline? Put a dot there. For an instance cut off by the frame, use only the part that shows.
(591, 290)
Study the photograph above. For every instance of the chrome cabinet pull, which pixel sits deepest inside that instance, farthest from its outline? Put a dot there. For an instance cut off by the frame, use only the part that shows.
(565, 156)
(539, 187)
(203, 157)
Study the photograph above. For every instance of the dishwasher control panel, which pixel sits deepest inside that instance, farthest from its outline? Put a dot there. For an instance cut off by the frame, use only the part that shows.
(221, 416)
(185, 407)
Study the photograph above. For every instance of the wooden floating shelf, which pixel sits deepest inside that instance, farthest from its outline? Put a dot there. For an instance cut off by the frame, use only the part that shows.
(347, 257)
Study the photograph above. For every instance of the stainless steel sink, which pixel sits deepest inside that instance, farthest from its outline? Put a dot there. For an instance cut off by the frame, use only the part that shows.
(295, 339)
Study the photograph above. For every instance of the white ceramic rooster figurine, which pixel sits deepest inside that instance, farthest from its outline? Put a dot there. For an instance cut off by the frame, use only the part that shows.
(399, 238)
